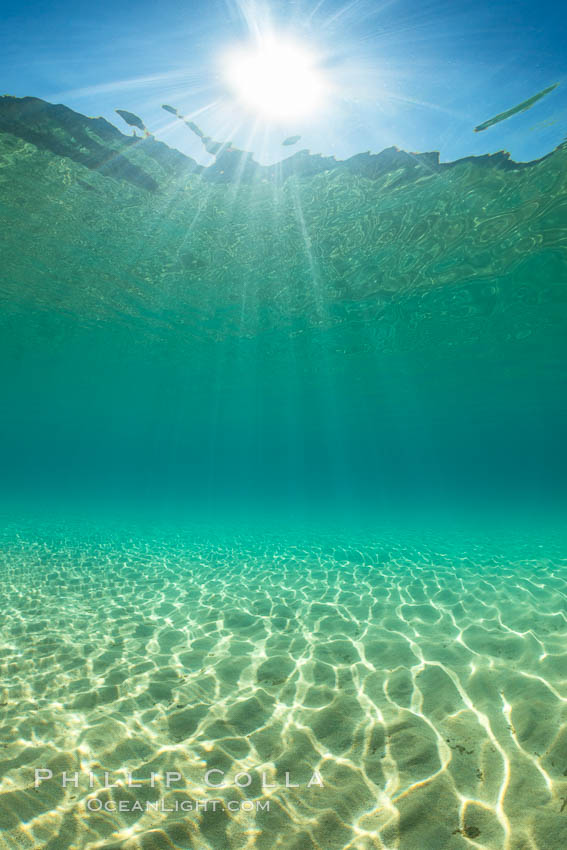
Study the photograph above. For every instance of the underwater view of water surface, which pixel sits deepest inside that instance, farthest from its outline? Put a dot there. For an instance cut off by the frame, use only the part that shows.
(283, 463)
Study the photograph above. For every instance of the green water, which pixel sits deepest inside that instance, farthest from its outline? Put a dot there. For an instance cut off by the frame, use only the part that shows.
(283, 464)
(322, 339)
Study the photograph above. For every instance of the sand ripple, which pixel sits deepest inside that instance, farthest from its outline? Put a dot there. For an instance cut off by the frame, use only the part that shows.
(425, 683)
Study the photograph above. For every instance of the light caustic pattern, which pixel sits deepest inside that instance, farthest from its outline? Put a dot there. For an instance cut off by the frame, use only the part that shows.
(426, 684)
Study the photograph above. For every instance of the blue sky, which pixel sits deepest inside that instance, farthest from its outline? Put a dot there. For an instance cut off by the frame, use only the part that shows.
(420, 74)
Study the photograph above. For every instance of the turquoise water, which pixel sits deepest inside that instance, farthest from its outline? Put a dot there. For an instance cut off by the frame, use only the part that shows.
(376, 334)
(388, 689)
(283, 480)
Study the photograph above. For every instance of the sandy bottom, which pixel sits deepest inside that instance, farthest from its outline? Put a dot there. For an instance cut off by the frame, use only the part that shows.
(412, 695)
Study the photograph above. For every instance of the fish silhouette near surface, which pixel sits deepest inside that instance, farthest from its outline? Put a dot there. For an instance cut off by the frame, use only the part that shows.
(191, 124)
(291, 140)
(132, 120)
(521, 107)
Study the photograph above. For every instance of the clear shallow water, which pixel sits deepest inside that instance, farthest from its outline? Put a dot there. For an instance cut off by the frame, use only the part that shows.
(363, 340)
(420, 678)
(247, 416)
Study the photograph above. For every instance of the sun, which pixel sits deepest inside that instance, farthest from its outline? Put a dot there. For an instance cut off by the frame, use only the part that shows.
(276, 79)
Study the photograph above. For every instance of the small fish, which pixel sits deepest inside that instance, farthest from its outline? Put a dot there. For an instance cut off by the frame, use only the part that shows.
(132, 119)
(291, 140)
(192, 126)
(197, 130)
(521, 107)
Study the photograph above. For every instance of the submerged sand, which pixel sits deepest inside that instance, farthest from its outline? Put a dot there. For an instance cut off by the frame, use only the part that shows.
(424, 685)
